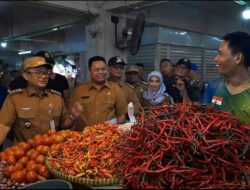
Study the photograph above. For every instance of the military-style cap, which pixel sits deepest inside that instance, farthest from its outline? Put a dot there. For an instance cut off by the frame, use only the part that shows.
(47, 56)
(132, 68)
(116, 60)
(186, 62)
(35, 62)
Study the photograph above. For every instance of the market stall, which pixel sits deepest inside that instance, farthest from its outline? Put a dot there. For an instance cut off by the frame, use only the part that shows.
(178, 147)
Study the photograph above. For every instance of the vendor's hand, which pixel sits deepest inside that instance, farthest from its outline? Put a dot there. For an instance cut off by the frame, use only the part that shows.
(180, 85)
(77, 110)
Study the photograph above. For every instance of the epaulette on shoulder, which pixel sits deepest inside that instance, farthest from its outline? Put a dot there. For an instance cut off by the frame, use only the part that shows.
(130, 85)
(55, 92)
(16, 91)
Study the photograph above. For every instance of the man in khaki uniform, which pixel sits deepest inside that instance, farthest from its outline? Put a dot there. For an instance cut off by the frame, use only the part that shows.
(102, 100)
(116, 67)
(133, 78)
(35, 110)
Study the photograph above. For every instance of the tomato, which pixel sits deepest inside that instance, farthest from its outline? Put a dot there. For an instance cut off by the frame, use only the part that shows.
(38, 141)
(31, 142)
(8, 170)
(30, 152)
(18, 176)
(10, 159)
(47, 141)
(46, 174)
(31, 162)
(44, 136)
(39, 166)
(38, 136)
(43, 171)
(14, 148)
(44, 150)
(39, 148)
(33, 155)
(53, 136)
(40, 159)
(18, 166)
(51, 131)
(31, 177)
(24, 146)
(9, 151)
(3, 156)
(19, 153)
(58, 139)
(64, 133)
(31, 166)
(23, 160)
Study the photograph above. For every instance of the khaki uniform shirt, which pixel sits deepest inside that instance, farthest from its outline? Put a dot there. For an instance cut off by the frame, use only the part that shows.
(99, 105)
(130, 95)
(30, 114)
(140, 87)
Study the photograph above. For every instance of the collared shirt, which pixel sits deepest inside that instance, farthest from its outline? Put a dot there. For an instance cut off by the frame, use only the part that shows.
(30, 114)
(130, 95)
(140, 87)
(99, 105)
(20, 82)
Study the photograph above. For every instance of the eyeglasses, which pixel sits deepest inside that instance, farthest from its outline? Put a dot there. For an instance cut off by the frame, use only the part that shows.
(39, 74)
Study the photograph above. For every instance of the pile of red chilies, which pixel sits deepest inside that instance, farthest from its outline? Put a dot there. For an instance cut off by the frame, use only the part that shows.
(186, 146)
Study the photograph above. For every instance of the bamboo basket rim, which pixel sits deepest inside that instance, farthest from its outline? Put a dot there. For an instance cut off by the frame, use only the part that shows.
(84, 181)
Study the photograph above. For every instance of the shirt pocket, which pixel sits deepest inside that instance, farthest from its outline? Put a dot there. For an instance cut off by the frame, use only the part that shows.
(26, 119)
(109, 102)
(85, 103)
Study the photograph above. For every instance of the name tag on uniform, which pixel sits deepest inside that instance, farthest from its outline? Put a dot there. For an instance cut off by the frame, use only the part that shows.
(25, 109)
(52, 124)
(51, 115)
(217, 100)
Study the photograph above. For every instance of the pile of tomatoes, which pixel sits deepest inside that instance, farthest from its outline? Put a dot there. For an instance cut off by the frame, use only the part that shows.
(26, 160)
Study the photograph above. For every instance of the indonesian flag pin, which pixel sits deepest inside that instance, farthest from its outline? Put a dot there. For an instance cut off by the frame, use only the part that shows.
(217, 100)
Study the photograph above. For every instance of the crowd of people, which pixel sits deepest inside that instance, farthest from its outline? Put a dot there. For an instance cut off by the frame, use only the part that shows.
(39, 99)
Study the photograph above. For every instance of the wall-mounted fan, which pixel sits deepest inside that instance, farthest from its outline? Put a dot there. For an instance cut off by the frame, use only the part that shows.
(132, 44)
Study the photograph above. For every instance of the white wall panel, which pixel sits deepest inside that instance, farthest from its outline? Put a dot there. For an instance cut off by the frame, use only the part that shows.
(211, 69)
(146, 56)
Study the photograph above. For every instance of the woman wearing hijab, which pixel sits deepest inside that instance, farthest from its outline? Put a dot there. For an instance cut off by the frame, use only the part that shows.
(155, 95)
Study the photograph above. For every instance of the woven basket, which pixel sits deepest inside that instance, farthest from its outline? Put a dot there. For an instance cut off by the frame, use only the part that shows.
(84, 181)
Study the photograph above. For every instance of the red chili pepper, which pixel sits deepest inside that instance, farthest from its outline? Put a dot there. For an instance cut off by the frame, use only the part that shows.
(195, 141)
